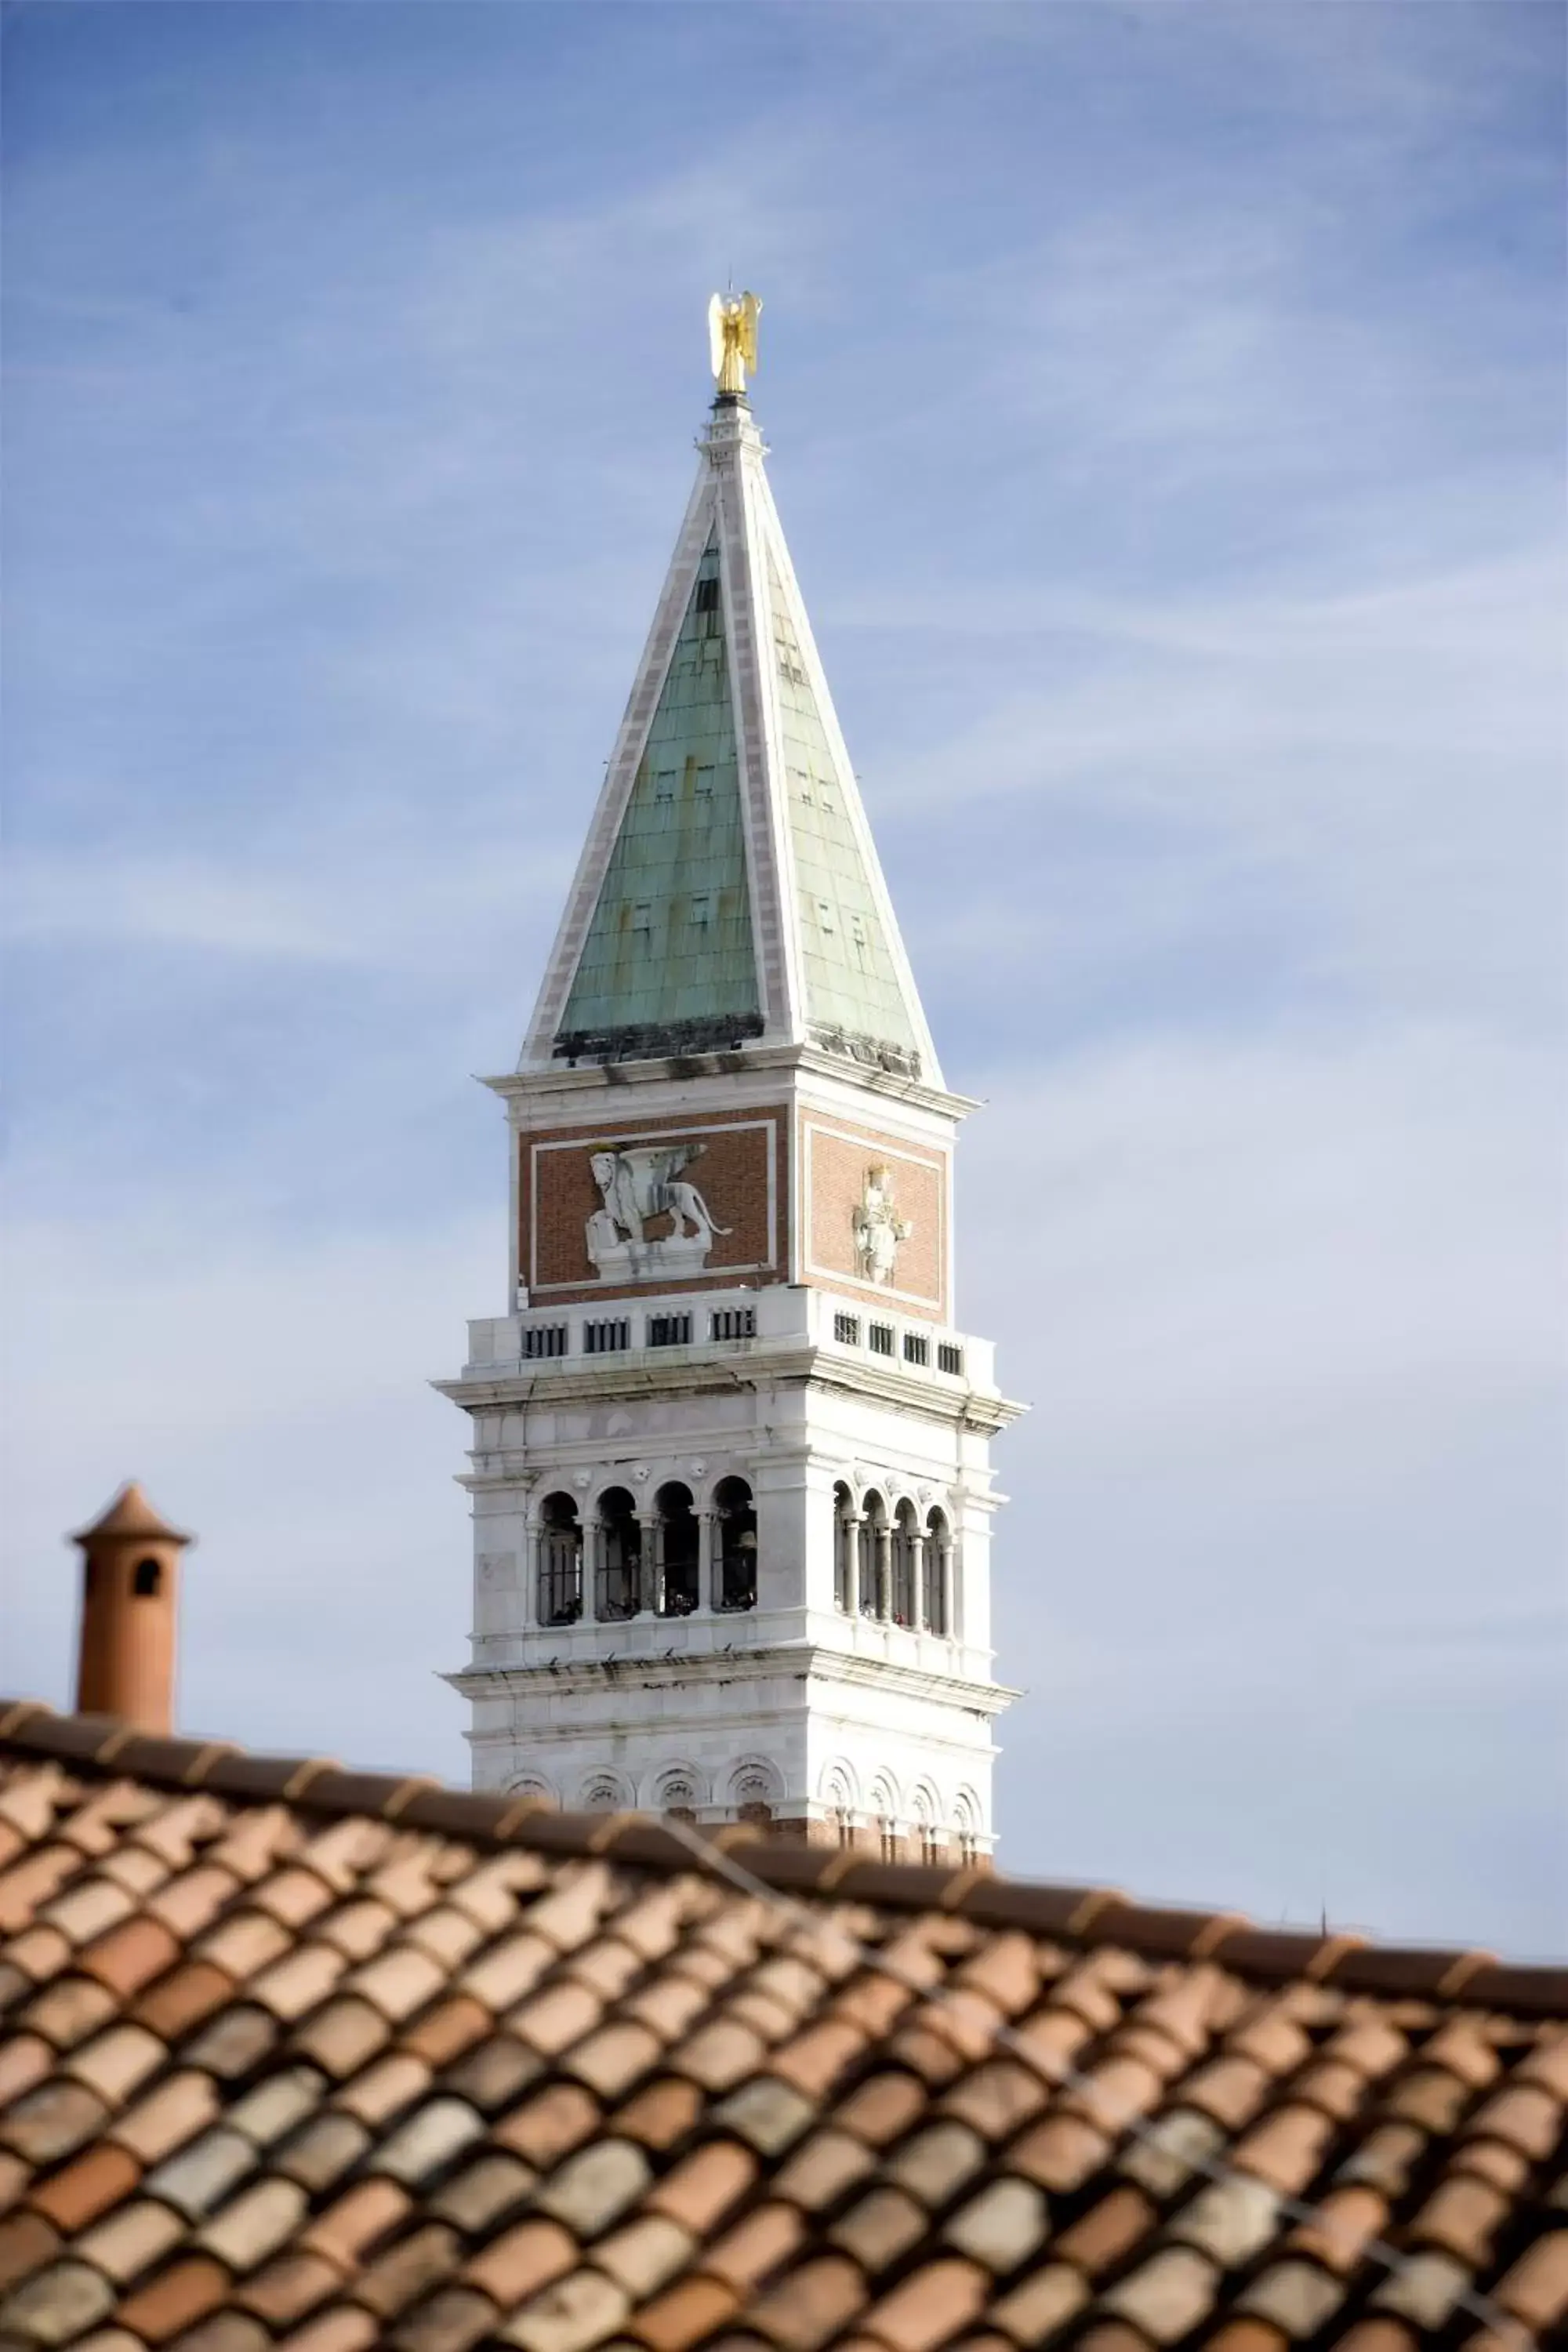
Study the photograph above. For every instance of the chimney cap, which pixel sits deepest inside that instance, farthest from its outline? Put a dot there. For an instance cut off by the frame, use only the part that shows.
(130, 1514)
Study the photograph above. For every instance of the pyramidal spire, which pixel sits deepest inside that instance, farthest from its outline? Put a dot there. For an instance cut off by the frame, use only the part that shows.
(729, 893)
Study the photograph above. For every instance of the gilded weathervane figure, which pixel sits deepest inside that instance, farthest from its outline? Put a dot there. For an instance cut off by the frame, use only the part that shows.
(732, 337)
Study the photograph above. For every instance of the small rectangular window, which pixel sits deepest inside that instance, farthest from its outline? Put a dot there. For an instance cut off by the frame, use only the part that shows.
(825, 915)
(916, 1350)
(880, 1338)
(733, 1323)
(664, 783)
(708, 595)
(704, 784)
(702, 911)
(545, 1339)
(642, 915)
(669, 1330)
(607, 1336)
(847, 1330)
(949, 1359)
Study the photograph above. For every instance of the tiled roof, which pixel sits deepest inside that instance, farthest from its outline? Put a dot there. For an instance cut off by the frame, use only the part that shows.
(300, 2056)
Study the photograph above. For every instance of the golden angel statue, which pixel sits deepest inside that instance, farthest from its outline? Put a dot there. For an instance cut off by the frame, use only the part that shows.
(732, 337)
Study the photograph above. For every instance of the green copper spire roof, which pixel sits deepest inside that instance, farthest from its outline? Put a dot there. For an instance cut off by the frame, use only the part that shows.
(851, 983)
(669, 944)
(729, 890)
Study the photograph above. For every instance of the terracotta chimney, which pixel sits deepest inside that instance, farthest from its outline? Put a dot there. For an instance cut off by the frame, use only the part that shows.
(129, 1594)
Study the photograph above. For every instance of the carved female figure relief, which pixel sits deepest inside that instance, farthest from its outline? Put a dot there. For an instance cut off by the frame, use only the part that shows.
(880, 1230)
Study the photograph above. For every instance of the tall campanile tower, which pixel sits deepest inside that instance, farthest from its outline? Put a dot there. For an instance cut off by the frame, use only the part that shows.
(730, 1470)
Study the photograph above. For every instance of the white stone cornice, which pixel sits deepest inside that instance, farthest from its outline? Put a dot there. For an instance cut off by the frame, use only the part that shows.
(566, 1079)
(665, 1670)
(566, 1382)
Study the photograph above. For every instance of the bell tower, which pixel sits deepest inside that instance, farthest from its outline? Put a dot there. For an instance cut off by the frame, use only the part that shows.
(731, 1466)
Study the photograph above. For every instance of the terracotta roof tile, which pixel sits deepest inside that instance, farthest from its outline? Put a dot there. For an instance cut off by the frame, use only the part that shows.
(183, 2293)
(184, 1999)
(358, 1930)
(881, 2227)
(1536, 2288)
(1425, 2292)
(1167, 2295)
(1040, 2304)
(130, 1955)
(1230, 2220)
(448, 2029)
(659, 2113)
(56, 2304)
(1060, 2154)
(578, 2310)
(806, 2306)
(1386, 2159)
(1001, 2227)
(1175, 2145)
(53, 2121)
(1524, 2115)
(452, 2320)
(256, 2222)
(429, 2140)
(385, 2089)
(116, 2062)
(880, 2108)
(1287, 2148)
(687, 2311)
(550, 2125)
(289, 2286)
(995, 2096)
(819, 2172)
(769, 2114)
(344, 2328)
(594, 2187)
(201, 2175)
(409, 2269)
(89, 2186)
(233, 2042)
(172, 2113)
(521, 2260)
(24, 2060)
(265, 2113)
(647, 2254)
(491, 2075)
(929, 2306)
(28, 2240)
(322, 2151)
(1250, 2335)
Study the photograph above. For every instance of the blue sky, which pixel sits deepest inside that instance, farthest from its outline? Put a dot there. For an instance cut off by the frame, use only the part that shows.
(1168, 416)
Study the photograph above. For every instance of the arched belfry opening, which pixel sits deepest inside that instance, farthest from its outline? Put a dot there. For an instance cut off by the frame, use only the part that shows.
(736, 1517)
(560, 1561)
(618, 1575)
(677, 1540)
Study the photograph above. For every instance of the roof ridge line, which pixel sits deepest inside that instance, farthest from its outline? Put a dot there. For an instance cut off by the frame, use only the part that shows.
(1083, 1915)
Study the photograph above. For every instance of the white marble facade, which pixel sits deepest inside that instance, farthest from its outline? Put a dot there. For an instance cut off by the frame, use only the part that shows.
(831, 1713)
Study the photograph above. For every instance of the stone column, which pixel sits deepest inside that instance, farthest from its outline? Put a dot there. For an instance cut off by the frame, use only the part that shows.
(882, 1537)
(650, 1567)
(532, 1569)
(593, 1554)
(710, 1561)
(945, 1578)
